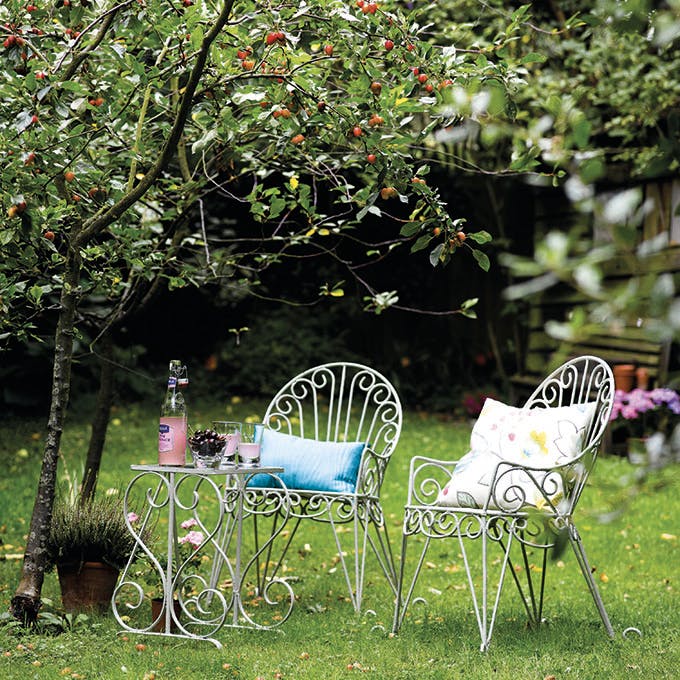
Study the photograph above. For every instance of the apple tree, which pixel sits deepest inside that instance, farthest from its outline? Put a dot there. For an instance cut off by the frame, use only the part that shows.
(119, 119)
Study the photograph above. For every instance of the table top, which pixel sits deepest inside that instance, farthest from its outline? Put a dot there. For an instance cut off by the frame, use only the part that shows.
(191, 469)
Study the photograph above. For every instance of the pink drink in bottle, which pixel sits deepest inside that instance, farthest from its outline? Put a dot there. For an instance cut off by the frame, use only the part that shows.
(172, 431)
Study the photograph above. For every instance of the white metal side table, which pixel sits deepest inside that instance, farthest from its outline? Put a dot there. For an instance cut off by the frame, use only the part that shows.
(216, 503)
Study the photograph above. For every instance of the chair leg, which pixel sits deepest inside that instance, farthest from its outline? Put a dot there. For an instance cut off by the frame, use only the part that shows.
(362, 539)
(382, 548)
(398, 610)
(533, 602)
(402, 603)
(485, 615)
(355, 581)
(582, 559)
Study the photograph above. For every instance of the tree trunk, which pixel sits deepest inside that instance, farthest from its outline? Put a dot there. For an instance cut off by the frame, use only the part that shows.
(100, 421)
(26, 601)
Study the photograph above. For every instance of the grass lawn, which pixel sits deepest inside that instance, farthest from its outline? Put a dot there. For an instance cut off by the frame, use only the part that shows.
(636, 555)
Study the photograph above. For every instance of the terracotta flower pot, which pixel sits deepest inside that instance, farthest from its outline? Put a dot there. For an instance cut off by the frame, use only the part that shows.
(624, 377)
(158, 615)
(87, 588)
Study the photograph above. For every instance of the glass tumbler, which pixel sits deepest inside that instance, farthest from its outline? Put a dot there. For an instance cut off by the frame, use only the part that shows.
(249, 445)
(231, 429)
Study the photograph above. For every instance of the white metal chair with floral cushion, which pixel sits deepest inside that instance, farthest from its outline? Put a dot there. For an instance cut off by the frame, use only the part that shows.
(515, 490)
(333, 428)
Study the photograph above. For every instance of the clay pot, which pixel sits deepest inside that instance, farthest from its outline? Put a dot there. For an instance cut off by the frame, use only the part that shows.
(87, 588)
(624, 377)
(158, 615)
(642, 378)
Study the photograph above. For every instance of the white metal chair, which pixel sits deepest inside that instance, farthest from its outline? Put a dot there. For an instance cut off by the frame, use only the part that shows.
(339, 402)
(520, 506)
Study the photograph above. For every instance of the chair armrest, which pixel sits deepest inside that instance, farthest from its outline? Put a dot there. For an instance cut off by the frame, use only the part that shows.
(371, 472)
(427, 477)
(513, 484)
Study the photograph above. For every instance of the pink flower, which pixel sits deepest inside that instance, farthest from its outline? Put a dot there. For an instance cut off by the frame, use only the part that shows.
(187, 524)
(194, 538)
(132, 517)
(629, 412)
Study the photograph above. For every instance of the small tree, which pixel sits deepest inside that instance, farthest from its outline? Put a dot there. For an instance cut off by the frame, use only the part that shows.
(117, 117)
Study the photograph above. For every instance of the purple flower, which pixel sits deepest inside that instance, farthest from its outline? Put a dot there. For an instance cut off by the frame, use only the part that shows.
(648, 410)
(132, 517)
(187, 524)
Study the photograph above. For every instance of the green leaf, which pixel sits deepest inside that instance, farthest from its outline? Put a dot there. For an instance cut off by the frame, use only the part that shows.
(204, 141)
(276, 207)
(35, 292)
(371, 200)
(592, 169)
(196, 38)
(435, 255)
(480, 236)
(582, 132)
(532, 57)
(410, 229)
(241, 96)
(6, 235)
(521, 12)
(482, 260)
(421, 243)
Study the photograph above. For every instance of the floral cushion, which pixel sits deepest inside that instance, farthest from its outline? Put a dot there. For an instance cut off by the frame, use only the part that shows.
(539, 437)
(506, 436)
(471, 484)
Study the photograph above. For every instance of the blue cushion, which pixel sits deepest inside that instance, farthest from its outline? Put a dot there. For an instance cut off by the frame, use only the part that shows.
(309, 464)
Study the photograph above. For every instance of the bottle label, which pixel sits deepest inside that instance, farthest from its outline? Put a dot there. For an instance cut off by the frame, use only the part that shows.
(165, 438)
(172, 440)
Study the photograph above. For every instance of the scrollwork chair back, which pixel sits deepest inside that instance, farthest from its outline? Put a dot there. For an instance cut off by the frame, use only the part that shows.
(344, 402)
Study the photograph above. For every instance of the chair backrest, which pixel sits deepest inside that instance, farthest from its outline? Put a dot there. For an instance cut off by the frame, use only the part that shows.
(339, 402)
(582, 380)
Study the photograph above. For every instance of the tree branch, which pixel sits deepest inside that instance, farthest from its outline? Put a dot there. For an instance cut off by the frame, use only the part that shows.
(107, 19)
(106, 217)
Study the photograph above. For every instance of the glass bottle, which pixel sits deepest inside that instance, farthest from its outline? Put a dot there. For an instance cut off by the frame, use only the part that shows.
(172, 431)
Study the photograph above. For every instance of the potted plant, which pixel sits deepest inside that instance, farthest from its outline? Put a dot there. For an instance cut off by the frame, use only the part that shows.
(645, 417)
(88, 544)
(148, 571)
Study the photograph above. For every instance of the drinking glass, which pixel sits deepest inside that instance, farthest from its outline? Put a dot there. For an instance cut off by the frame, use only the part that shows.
(231, 429)
(249, 444)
